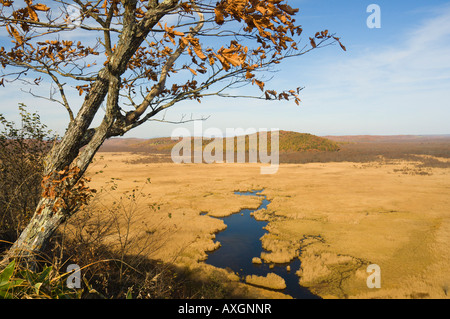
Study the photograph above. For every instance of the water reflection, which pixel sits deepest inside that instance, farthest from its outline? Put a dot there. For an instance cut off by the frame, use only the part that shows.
(240, 242)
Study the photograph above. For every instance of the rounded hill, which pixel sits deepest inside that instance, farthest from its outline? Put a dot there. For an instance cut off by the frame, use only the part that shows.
(289, 141)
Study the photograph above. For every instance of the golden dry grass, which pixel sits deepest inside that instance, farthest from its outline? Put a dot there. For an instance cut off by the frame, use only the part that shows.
(336, 217)
(271, 281)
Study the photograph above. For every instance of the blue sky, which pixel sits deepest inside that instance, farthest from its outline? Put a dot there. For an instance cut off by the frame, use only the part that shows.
(391, 80)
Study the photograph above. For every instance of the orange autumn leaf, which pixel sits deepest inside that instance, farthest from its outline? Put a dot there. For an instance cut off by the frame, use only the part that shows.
(249, 75)
(286, 8)
(40, 7)
(177, 33)
(11, 30)
(193, 71)
(33, 15)
(233, 59)
(198, 51)
(219, 17)
(259, 83)
(6, 3)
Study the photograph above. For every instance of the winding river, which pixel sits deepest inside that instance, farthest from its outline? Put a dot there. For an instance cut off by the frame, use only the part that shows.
(240, 242)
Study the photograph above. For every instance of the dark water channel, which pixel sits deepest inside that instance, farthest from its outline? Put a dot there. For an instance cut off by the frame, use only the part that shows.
(240, 242)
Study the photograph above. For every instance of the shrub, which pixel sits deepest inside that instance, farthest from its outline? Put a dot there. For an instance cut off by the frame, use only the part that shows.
(17, 282)
(22, 151)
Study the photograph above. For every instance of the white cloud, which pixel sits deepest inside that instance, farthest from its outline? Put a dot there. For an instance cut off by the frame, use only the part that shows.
(409, 78)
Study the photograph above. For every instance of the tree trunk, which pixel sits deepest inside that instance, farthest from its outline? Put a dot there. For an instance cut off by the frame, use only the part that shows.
(49, 215)
(41, 227)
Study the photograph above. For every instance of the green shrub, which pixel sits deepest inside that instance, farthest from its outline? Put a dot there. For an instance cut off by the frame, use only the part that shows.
(17, 282)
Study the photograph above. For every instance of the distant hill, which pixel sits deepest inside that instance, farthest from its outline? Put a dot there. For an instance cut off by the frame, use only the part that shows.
(389, 138)
(288, 142)
(295, 142)
(307, 148)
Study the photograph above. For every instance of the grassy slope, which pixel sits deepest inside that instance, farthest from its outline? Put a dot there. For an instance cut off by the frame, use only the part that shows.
(288, 142)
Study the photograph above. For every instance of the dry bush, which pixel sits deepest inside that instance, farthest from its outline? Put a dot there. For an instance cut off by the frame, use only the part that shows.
(102, 238)
(413, 171)
(22, 151)
(112, 245)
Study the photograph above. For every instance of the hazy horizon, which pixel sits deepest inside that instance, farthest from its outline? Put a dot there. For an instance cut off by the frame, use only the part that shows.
(343, 135)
